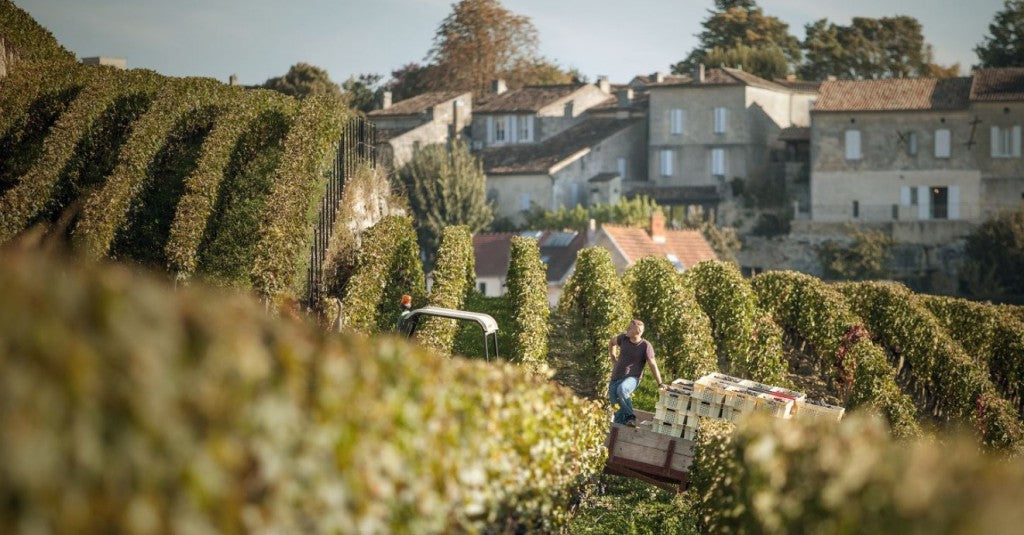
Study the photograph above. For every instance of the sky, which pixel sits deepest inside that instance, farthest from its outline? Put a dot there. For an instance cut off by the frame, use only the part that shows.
(260, 39)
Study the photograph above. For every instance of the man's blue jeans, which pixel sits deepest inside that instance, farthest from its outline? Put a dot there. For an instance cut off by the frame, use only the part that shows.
(619, 392)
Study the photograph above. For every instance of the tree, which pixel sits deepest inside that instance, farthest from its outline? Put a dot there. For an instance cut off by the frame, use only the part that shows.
(737, 28)
(1005, 46)
(888, 47)
(995, 256)
(408, 81)
(480, 41)
(361, 91)
(446, 186)
(865, 258)
(304, 80)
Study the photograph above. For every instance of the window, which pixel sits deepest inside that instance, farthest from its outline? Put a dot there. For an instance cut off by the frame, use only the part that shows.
(913, 196)
(853, 145)
(942, 143)
(499, 130)
(856, 209)
(483, 288)
(526, 129)
(720, 119)
(676, 121)
(939, 203)
(511, 121)
(912, 143)
(666, 162)
(524, 201)
(1006, 142)
(622, 168)
(718, 162)
(574, 195)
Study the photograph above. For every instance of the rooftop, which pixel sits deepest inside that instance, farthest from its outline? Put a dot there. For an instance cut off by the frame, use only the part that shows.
(721, 76)
(534, 158)
(998, 85)
(685, 247)
(902, 94)
(418, 104)
(557, 250)
(530, 98)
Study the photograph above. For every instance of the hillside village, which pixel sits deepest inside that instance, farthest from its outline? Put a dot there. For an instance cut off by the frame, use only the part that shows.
(923, 159)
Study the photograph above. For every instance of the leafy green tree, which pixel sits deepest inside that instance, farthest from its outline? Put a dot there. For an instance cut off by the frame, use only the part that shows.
(446, 186)
(737, 28)
(865, 258)
(631, 212)
(360, 92)
(303, 80)
(1004, 47)
(408, 81)
(479, 41)
(995, 256)
(869, 48)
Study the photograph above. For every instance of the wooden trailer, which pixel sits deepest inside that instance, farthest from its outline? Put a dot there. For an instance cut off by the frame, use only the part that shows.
(640, 453)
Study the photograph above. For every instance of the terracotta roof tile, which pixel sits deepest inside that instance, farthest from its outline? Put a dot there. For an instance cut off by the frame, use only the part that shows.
(903, 94)
(418, 104)
(538, 158)
(998, 85)
(530, 98)
(689, 246)
(491, 252)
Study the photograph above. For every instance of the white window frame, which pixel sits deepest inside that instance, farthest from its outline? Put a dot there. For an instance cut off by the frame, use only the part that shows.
(525, 134)
(721, 119)
(666, 158)
(718, 162)
(852, 144)
(500, 134)
(490, 129)
(676, 120)
(1006, 141)
(943, 143)
(511, 127)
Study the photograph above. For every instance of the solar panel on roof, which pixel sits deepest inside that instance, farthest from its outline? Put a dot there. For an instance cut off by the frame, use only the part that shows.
(558, 239)
(535, 234)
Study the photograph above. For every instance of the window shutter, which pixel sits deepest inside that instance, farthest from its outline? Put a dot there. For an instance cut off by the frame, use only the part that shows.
(912, 143)
(510, 128)
(529, 128)
(718, 162)
(1016, 142)
(905, 195)
(720, 119)
(853, 144)
(995, 140)
(924, 198)
(954, 202)
(942, 143)
(666, 162)
(490, 129)
(622, 168)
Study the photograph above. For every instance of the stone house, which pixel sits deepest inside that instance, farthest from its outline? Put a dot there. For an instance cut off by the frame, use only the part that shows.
(997, 103)
(683, 248)
(558, 251)
(582, 165)
(405, 126)
(714, 128)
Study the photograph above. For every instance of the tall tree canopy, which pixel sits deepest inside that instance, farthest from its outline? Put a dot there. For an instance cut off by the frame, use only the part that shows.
(995, 256)
(360, 92)
(408, 81)
(738, 31)
(480, 41)
(446, 186)
(1004, 47)
(887, 47)
(304, 80)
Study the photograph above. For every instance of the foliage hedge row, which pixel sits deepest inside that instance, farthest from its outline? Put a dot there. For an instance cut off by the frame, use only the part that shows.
(35, 188)
(286, 231)
(673, 321)
(857, 368)
(454, 275)
(748, 341)
(941, 375)
(527, 295)
(989, 334)
(596, 308)
(204, 186)
(30, 41)
(132, 408)
(388, 267)
(106, 210)
(789, 476)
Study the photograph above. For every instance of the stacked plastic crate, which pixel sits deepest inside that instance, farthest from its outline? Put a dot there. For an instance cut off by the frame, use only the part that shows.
(721, 396)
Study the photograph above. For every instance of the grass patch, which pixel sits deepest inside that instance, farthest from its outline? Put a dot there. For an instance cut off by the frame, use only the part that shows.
(613, 504)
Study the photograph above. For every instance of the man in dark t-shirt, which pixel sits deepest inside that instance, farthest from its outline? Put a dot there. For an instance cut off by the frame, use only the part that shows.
(634, 353)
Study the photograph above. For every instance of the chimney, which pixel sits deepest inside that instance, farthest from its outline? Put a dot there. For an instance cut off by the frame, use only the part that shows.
(625, 97)
(657, 227)
(499, 86)
(603, 85)
(659, 77)
(385, 100)
(233, 79)
(698, 74)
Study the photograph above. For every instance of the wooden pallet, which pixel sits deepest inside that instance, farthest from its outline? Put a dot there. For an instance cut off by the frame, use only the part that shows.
(640, 453)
